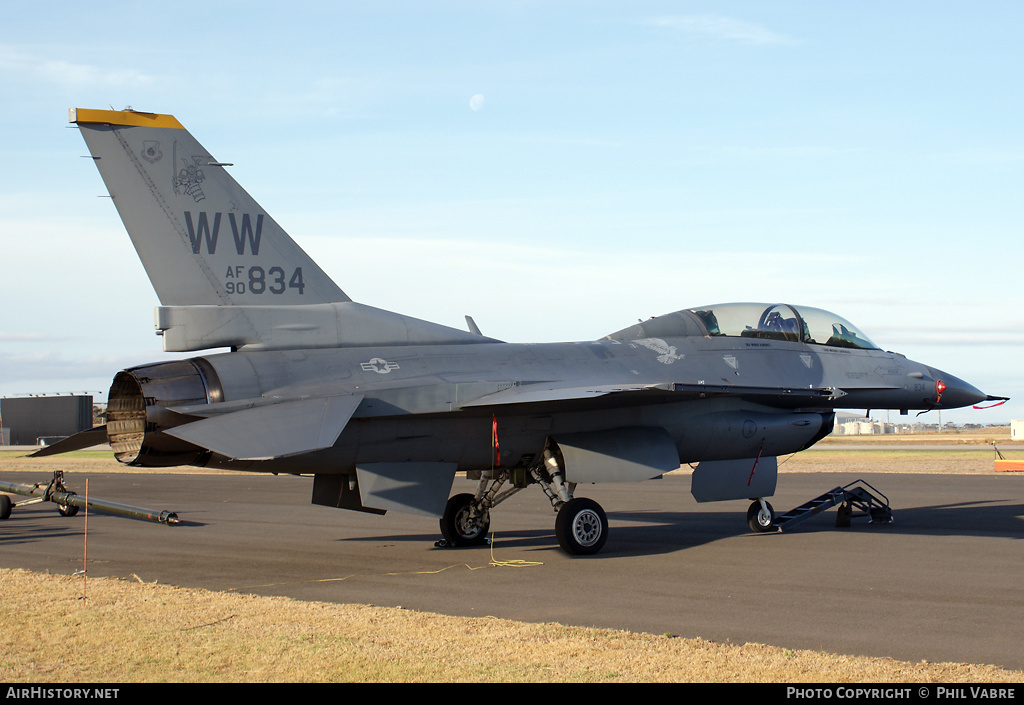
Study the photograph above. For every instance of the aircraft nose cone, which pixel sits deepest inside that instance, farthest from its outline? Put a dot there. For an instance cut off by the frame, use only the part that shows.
(953, 392)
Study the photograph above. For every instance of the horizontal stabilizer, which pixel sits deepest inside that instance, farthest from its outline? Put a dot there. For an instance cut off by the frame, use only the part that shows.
(83, 439)
(272, 430)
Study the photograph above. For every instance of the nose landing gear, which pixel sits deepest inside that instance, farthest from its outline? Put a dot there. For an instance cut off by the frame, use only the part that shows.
(761, 517)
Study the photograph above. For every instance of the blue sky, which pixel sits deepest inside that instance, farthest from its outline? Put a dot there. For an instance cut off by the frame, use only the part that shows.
(620, 160)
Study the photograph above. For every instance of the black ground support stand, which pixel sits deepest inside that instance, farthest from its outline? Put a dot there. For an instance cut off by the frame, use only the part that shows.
(857, 499)
(68, 503)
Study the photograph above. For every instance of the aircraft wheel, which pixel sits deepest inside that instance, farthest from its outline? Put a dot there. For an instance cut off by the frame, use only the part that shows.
(67, 510)
(758, 520)
(458, 527)
(5, 506)
(581, 527)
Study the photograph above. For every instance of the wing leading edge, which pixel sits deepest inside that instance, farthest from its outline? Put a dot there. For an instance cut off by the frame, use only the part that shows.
(544, 392)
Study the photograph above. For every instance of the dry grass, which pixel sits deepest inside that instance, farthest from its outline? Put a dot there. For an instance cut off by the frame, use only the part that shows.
(130, 632)
(958, 462)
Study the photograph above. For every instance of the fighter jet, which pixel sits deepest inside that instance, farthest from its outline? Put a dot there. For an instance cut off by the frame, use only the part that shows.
(383, 409)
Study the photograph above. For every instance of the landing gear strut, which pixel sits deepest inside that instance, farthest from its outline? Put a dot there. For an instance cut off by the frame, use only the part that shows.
(581, 525)
(467, 517)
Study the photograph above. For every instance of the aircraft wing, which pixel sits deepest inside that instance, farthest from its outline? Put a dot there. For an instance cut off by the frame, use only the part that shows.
(543, 392)
(249, 431)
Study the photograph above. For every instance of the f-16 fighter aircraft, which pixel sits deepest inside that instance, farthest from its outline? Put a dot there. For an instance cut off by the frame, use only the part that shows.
(383, 409)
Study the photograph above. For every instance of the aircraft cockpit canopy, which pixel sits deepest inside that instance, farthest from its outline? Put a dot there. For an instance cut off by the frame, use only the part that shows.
(782, 322)
(798, 324)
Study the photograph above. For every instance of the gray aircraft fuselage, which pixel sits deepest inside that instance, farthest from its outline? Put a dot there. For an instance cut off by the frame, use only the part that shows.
(418, 400)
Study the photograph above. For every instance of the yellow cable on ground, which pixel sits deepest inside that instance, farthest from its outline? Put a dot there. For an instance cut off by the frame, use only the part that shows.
(493, 562)
(510, 564)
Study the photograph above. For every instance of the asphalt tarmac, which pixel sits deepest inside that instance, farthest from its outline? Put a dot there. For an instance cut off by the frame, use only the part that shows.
(941, 583)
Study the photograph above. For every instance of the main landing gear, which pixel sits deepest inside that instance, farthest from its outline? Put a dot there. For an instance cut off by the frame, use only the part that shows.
(581, 525)
(464, 524)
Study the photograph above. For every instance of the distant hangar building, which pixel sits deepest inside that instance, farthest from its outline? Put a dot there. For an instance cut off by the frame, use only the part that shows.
(31, 420)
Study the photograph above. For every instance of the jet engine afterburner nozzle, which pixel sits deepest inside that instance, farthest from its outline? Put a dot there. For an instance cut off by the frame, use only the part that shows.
(138, 410)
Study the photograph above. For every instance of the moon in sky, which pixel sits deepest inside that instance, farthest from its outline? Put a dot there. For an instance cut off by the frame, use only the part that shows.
(476, 102)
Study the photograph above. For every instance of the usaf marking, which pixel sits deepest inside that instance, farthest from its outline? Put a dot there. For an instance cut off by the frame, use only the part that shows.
(378, 365)
(257, 280)
(239, 278)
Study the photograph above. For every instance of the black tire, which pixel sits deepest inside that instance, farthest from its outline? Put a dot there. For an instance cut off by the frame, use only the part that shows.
(5, 507)
(456, 526)
(758, 521)
(67, 510)
(581, 527)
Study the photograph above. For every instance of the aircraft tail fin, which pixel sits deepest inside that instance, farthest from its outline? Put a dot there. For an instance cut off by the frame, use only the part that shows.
(202, 239)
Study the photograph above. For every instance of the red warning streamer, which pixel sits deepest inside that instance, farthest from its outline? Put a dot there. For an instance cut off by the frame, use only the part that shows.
(756, 461)
(494, 441)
